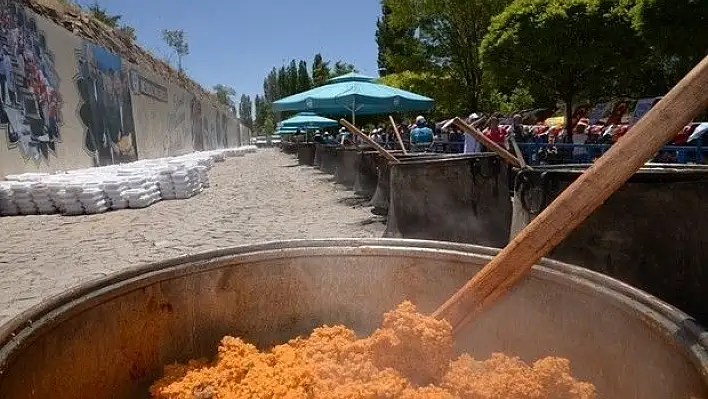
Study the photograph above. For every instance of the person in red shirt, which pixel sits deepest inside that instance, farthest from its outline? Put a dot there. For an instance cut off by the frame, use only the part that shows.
(495, 133)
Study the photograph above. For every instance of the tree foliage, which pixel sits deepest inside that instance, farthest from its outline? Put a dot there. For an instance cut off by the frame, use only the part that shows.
(224, 95)
(304, 82)
(568, 49)
(262, 111)
(445, 40)
(320, 71)
(676, 32)
(432, 85)
(292, 82)
(245, 111)
(177, 40)
(392, 41)
(519, 99)
(112, 21)
(102, 15)
(291, 79)
(342, 68)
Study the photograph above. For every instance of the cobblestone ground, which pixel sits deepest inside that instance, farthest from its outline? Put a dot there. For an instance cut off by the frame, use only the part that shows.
(261, 197)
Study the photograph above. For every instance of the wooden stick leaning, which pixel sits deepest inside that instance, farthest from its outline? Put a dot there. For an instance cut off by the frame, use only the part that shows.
(517, 150)
(487, 142)
(398, 135)
(683, 103)
(366, 138)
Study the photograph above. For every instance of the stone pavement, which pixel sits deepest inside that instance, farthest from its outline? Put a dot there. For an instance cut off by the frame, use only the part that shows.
(261, 197)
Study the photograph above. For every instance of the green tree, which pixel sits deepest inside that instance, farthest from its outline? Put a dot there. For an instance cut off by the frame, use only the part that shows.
(293, 82)
(432, 85)
(178, 42)
(320, 71)
(385, 40)
(269, 125)
(270, 86)
(447, 36)
(224, 95)
(519, 100)
(398, 49)
(112, 21)
(283, 83)
(565, 49)
(102, 15)
(342, 68)
(245, 111)
(676, 32)
(303, 77)
(262, 110)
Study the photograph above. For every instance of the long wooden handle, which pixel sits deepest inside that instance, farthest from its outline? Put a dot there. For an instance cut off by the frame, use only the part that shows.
(503, 153)
(398, 135)
(517, 150)
(366, 138)
(683, 103)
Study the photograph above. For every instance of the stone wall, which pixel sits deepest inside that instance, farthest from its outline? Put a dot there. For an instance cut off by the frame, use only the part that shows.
(67, 103)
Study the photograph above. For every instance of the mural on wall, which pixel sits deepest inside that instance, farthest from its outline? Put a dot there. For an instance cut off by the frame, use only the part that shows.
(107, 109)
(197, 126)
(30, 103)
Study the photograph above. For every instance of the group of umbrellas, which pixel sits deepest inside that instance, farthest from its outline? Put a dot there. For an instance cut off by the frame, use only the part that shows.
(351, 94)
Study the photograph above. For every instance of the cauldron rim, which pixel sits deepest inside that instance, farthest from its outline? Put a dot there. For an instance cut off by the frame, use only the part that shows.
(675, 325)
(444, 158)
(647, 168)
(649, 173)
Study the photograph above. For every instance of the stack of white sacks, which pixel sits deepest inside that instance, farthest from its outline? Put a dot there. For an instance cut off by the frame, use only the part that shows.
(97, 190)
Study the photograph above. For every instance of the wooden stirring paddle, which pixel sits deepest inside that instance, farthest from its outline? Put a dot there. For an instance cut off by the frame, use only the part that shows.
(398, 134)
(683, 103)
(505, 155)
(366, 138)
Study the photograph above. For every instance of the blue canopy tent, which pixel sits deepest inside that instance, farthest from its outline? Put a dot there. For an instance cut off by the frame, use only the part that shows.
(283, 130)
(355, 94)
(308, 120)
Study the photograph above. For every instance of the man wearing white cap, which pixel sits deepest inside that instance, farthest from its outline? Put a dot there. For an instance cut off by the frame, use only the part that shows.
(471, 144)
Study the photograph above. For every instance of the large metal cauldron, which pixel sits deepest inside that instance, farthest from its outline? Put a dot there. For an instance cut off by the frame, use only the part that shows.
(462, 199)
(366, 174)
(306, 154)
(651, 233)
(380, 199)
(289, 146)
(345, 173)
(327, 158)
(111, 338)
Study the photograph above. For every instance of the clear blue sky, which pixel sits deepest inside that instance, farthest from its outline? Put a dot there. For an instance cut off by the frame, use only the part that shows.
(236, 42)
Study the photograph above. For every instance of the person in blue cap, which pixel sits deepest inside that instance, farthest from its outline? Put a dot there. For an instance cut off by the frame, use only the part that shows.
(421, 135)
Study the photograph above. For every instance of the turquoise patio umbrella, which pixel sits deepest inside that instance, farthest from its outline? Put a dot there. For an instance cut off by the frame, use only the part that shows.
(308, 120)
(356, 94)
(286, 130)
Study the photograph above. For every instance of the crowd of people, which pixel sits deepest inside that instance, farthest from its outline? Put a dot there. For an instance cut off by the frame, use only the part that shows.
(539, 143)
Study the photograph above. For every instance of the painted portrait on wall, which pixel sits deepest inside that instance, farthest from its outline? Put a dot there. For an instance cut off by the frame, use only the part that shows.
(106, 110)
(30, 102)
